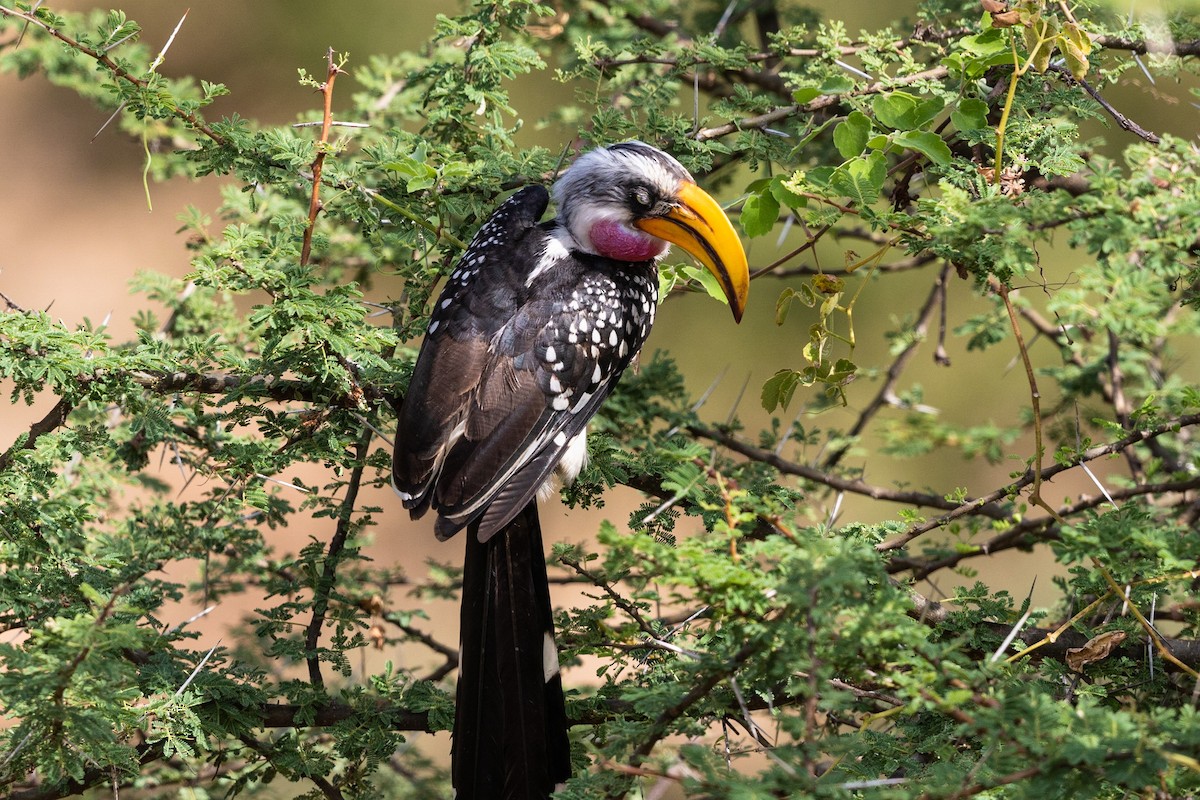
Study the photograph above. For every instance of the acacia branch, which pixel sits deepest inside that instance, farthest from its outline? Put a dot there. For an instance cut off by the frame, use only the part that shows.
(120, 73)
(597, 711)
(1125, 122)
(53, 420)
(760, 121)
(929, 612)
(1041, 529)
(91, 778)
(886, 392)
(923, 37)
(215, 383)
(988, 508)
(1190, 47)
(900, 265)
(662, 723)
(1012, 489)
(754, 76)
(267, 753)
(265, 386)
(328, 579)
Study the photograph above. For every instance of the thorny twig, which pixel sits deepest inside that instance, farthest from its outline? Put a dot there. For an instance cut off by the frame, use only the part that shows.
(116, 70)
(314, 204)
(1125, 122)
(1035, 399)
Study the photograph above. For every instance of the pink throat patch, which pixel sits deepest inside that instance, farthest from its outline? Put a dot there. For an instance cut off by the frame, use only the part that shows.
(613, 240)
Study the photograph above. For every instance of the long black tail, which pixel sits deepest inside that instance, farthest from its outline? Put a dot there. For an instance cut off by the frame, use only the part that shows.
(510, 723)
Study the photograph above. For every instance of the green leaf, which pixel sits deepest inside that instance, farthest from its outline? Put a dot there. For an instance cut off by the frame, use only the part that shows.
(828, 284)
(974, 66)
(842, 371)
(784, 304)
(970, 114)
(988, 43)
(903, 111)
(836, 84)
(861, 179)
(780, 191)
(818, 177)
(777, 392)
(805, 94)
(759, 213)
(1040, 38)
(850, 136)
(927, 143)
(1075, 46)
(711, 285)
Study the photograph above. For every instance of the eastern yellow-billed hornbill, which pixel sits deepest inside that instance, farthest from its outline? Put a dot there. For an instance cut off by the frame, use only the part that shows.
(533, 329)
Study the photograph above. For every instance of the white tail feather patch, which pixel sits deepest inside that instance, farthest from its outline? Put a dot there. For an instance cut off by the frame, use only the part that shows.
(570, 464)
(549, 658)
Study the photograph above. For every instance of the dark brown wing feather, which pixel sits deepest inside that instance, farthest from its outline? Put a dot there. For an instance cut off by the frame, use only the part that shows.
(428, 419)
(476, 302)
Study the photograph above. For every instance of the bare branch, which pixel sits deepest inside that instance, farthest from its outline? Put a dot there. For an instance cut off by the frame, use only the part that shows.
(53, 420)
(1012, 489)
(887, 390)
(1122, 120)
(987, 508)
(1043, 529)
(1142, 47)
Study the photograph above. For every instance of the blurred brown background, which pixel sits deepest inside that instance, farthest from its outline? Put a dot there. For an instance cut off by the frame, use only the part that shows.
(75, 228)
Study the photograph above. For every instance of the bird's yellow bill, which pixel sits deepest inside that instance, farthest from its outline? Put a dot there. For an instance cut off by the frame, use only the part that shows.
(698, 225)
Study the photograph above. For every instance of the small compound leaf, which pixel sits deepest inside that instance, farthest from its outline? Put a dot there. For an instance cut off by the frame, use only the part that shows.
(781, 191)
(861, 179)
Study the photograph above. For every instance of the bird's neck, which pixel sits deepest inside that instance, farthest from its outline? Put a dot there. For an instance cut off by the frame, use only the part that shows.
(614, 240)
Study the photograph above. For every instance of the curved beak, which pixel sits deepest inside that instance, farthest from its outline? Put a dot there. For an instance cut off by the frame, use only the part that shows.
(698, 225)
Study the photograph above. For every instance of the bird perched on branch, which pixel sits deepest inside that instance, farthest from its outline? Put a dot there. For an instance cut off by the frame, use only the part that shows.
(530, 334)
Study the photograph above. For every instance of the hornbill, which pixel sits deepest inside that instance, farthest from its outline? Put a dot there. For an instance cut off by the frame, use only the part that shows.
(533, 329)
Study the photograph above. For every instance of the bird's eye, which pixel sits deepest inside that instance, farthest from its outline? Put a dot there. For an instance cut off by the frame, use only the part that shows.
(640, 199)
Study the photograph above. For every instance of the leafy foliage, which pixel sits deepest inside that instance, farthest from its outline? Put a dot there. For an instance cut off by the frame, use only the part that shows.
(744, 640)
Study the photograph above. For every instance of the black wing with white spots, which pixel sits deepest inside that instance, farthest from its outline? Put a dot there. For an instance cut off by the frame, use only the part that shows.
(526, 341)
